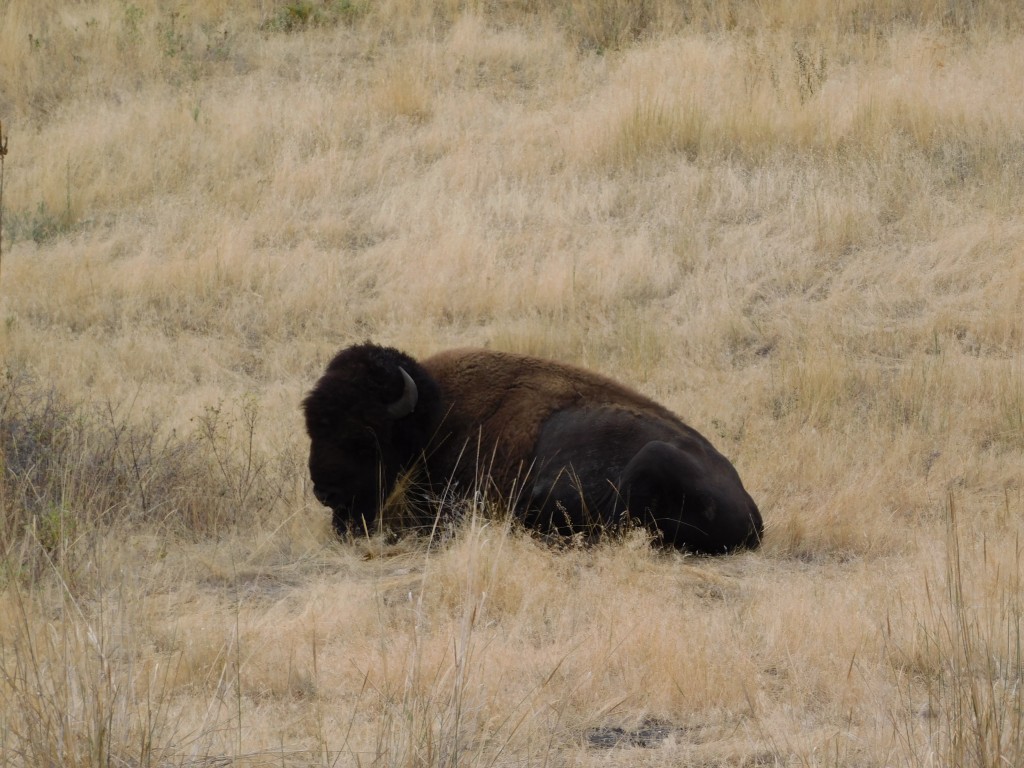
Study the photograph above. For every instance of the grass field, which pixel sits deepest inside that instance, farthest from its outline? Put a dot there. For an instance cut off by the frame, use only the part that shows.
(799, 225)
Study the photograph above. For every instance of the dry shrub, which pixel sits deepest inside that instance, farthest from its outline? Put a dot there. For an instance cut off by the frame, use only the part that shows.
(75, 472)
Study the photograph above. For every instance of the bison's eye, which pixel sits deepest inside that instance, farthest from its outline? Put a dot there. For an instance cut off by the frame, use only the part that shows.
(321, 428)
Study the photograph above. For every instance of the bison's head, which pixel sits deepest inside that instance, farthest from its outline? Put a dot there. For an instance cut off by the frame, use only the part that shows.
(366, 419)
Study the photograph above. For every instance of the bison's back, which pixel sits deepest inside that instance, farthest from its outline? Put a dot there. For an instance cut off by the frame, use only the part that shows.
(495, 404)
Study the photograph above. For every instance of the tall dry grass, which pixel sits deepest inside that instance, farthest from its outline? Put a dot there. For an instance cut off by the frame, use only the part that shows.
(796, 224)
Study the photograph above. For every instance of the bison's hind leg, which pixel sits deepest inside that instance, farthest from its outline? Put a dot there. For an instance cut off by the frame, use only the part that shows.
(666, 488)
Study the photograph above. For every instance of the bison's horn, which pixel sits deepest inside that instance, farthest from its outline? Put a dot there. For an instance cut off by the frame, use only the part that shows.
(406, 404)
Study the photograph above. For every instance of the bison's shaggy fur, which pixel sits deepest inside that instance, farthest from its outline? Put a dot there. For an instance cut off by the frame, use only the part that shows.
(569, 449)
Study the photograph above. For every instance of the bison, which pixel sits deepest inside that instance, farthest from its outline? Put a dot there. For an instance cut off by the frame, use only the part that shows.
(569, 450)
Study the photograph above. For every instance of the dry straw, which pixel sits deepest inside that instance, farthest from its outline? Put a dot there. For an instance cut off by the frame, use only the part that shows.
(795, 224)
(3, 154)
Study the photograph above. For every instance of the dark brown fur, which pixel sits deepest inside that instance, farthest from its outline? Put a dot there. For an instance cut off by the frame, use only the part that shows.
(485, 414)
(521, 393)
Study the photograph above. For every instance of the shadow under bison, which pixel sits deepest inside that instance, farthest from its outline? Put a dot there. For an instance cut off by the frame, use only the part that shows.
(569, 449)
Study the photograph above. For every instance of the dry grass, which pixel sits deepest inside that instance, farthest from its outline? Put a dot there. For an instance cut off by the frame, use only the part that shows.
(797, 224)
